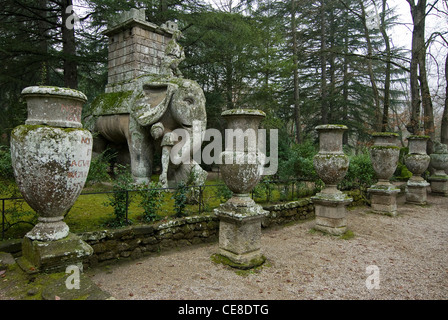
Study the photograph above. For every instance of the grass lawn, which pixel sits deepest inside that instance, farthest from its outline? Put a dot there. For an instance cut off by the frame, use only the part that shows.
(91, 212)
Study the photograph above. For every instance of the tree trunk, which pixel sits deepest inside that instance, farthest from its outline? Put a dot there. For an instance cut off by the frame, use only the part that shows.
(69, 46)
(386, 105)
(323, 64)
(295, 53)
(42, 25)
(418, 37)
(376, 96)
(444, 126)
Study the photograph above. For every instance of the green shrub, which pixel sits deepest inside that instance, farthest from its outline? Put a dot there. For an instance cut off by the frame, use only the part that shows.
(99, 167)
(180, 200)
(360, 174)
(298, 162)
(120, 199)
(6, 170)
(223, 192)
(402, 173)
(151, 201)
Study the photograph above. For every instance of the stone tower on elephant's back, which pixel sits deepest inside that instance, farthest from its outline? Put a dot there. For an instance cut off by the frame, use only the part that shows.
(136, 47)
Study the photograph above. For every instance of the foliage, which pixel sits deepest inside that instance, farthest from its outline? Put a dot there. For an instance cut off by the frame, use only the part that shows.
(298, 161)
(99, 165)
(151, 200)
(360, 174)
(402, 173)
(180, 199)
(6, 170)
(120, 199)
(223, 192)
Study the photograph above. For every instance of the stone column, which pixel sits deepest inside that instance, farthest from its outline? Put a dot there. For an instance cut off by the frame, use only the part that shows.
(439, 161)
(331, 165)
(417, 161)
(240, 217)
(51, 158)
(384, 155)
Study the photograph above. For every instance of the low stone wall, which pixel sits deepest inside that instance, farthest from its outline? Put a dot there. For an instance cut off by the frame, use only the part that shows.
(284, 213)
(134, 242)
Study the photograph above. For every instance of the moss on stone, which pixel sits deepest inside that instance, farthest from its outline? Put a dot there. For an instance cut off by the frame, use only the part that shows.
(422, 137)
(385, 147)
(385, 134)
(254, 263)
(110, 103)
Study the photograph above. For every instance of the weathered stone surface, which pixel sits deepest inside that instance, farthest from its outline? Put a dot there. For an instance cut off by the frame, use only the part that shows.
(439, 161)
(55, 256)
(331, 165)
(147, 99)
(417, 162)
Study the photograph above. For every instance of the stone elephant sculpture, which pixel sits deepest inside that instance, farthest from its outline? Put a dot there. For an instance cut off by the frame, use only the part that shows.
(140, 122)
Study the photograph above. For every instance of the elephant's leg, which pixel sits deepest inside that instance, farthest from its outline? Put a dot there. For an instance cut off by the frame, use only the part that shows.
(166, 150)
(140, 151)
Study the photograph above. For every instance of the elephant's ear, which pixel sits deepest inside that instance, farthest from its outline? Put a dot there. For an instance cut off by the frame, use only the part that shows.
(152, 102)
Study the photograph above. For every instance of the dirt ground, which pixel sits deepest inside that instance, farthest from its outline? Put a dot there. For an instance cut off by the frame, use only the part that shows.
(403, 257)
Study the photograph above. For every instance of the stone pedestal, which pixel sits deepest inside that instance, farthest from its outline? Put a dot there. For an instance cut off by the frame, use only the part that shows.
(416, 191)
(53, 256)
(51, 156)
(240, 235)
(242, 164)
(384, 155)
(331, 165)
(384, 199)
(439, 185)
(439, 161)
(331, 213)
(417, 162)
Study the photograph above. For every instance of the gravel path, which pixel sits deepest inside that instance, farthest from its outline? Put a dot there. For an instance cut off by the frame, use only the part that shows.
(410, 251)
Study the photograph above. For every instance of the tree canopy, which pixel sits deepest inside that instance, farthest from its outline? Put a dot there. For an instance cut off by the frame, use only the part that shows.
(304, 63)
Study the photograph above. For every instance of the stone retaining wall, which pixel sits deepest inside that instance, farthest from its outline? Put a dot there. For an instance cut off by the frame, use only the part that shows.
(134, 242)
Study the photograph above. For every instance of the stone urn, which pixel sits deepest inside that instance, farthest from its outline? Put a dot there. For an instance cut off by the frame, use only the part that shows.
(439, 162)
(241, 168)
(417, 161)
(384, 155)
(242, 161)
(331, 164)
(51, 156)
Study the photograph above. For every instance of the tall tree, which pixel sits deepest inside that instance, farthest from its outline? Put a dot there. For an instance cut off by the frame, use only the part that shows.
(420, 93)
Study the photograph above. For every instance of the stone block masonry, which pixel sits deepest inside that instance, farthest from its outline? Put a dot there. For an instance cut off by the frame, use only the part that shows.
(136, 47)
(134, 242)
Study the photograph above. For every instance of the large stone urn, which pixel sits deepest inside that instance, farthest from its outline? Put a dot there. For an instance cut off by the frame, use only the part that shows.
(241, 168)
(331, 165)
(439, 162)
(51, 159)
(384, 155)
(417, 161)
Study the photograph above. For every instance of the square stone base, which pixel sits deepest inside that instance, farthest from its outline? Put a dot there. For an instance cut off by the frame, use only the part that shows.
(439, 187)
(240, 240)
(384, 201)
(331, 215)
(53, 256)
(416, 194)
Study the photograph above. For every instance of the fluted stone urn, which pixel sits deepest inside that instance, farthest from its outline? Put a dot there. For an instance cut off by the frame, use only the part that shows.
(51, 156)
(331, 164)
(384, 155)
(241, 168)
(417, 161)
(439, 162)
